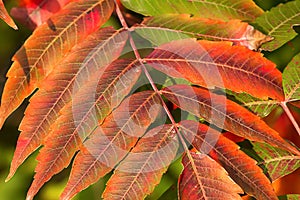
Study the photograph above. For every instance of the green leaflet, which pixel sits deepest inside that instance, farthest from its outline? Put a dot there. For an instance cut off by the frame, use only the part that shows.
(279, 22)
(260, 107)
(290, 197)
(222, 9)
(236, 31)
(291, 79)
(275, 161)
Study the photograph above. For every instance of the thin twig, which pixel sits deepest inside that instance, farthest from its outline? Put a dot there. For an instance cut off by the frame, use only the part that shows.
(290, 115)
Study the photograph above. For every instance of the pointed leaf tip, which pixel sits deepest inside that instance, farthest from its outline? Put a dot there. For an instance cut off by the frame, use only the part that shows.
(1, 122)
(5, 16)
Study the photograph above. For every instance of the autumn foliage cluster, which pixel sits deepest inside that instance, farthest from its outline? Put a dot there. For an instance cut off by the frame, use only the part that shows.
(126, 88)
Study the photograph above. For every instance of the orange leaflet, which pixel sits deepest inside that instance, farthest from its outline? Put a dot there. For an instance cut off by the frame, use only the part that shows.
(4, 15)
(144, 165)
(219, 64)
(59, 89)
(203, 178)
(111, 141)
(225, 114)
(241, 168)
(76, 123)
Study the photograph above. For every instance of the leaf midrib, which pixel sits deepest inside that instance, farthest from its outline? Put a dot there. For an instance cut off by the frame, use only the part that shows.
(283, 22)
(279, 159)
(218, 64)
(241, 39)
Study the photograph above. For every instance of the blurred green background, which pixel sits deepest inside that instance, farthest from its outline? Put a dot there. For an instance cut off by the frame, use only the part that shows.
(15, 189)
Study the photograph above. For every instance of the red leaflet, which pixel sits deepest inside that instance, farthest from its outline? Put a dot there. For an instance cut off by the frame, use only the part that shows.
(144, 165)
(58, 88)
(203, 178)
(219, 64)
(111, 141)
(241, 168)
(33, 13)
(225, 114)
(4, 15)
(233, 137)
(78, 120)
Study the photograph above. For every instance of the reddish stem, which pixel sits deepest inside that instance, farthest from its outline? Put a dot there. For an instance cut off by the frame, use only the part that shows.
(142, 62)
(290, 115)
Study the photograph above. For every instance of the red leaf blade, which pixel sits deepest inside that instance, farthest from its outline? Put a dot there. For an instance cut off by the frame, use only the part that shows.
(59, 88)
(111, 141)
(75, 123)
(219, 64)
(225, 114)
(203, 178)
(142, 169)
(241, 168)
(5, 16)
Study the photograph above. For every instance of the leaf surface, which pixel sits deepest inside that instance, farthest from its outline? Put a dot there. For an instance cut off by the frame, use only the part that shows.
(279, 22)
(241, 168)
(225, 114)
(291, 80)
(111, 141)
(34, 13)
(78, 120)
(236, 31)
(5, 16)
(60, 86)
(223, 9)
(259, 106)
(142, 169)
(290, 197)
(218, 64)
(43, 50)
(203, 178)
(277, 162)
(159, 36)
